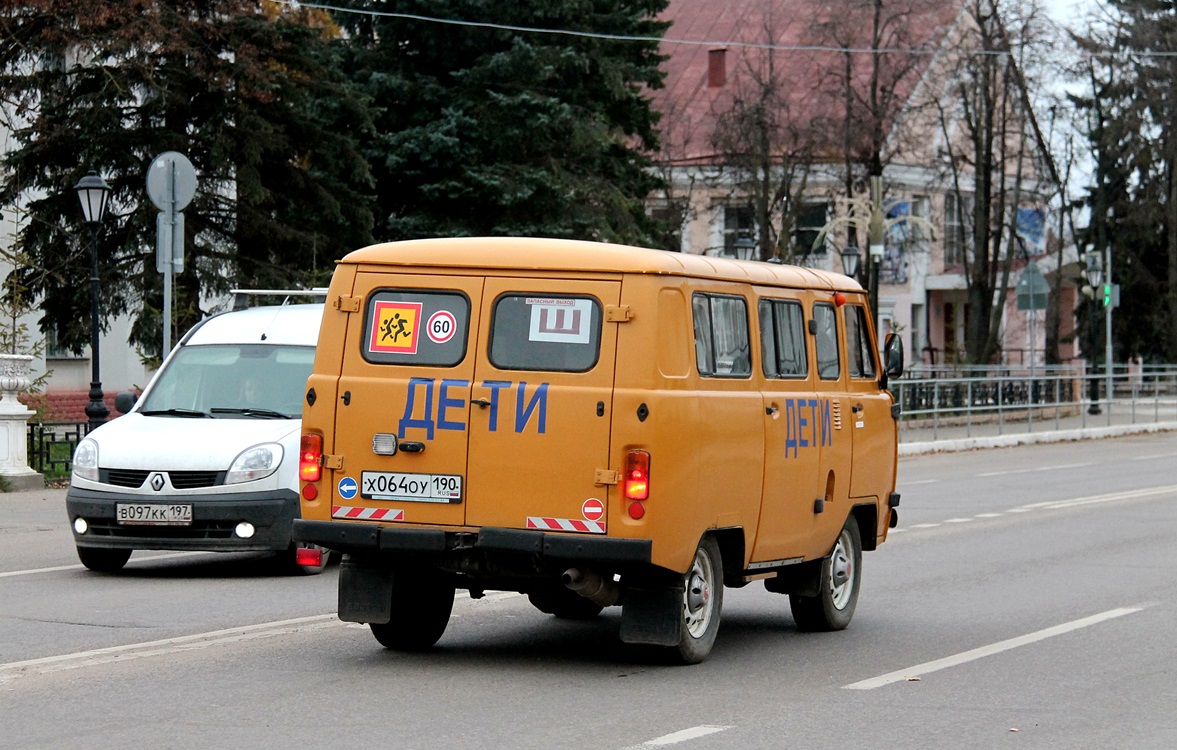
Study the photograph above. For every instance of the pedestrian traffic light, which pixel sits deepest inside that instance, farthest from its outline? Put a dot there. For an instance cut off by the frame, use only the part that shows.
(1107, 295)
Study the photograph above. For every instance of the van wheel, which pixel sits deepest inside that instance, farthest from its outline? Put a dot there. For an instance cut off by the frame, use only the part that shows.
(422, 600)
(567, 605)
(702, 603)
(103, 560)
(307, 570)
(841, 572)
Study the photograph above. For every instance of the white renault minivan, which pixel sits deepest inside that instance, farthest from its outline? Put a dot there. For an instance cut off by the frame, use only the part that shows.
(206, 458)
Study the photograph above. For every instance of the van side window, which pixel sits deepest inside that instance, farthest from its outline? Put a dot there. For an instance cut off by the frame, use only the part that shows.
(416, 327)
(721, 336)
(552, 333)
(858, 348)
(829, 365)
(782, 339)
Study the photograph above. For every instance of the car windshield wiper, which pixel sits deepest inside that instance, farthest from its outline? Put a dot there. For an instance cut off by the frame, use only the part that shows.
(251, 412)
(176, 413)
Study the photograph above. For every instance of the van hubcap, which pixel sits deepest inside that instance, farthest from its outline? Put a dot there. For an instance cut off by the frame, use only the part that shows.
(841, 572)
(697, 597)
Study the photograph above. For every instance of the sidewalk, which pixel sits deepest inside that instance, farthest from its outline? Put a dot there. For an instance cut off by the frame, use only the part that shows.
(960, 436)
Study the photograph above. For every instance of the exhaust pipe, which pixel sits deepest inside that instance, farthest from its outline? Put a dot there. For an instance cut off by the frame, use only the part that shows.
(590, 585)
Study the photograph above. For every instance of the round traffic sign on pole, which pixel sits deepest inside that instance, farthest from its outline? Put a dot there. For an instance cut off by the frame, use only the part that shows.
(171, 181)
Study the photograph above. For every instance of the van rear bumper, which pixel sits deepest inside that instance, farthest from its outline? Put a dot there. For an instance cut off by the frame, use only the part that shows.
(366, 538)
(214, 518)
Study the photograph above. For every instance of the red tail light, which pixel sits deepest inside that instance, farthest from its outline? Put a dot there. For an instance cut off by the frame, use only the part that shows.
(637, 475)
(310, 453)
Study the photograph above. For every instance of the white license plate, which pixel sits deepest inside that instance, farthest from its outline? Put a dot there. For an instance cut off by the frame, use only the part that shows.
(413, 488)
(153, 514)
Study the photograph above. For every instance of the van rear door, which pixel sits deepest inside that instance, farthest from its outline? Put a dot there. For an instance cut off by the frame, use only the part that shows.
(542, 403)
(403, 398)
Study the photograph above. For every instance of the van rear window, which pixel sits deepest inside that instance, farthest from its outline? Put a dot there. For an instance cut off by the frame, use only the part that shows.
(416, 327)
(545, 332)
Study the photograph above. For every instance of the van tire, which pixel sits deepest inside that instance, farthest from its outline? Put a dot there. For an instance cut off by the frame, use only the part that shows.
(422, 600)
(702, 604)
(559, 601)
(103, 560)
(833, 607)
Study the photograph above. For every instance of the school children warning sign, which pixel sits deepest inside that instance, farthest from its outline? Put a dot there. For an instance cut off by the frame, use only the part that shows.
(394, 328)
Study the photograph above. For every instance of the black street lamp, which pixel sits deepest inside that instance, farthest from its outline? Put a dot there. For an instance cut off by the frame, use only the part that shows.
(1094, 272)
(93, 193)
(851, 257)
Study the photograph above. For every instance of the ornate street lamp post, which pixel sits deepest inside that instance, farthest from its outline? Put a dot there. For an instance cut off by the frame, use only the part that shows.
(851, 257)
(93, 193)
(1094, 272)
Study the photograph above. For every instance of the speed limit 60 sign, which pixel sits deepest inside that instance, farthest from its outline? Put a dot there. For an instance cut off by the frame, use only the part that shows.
(441, 327)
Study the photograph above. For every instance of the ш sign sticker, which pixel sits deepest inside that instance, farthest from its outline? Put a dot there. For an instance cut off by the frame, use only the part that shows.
(561, 320)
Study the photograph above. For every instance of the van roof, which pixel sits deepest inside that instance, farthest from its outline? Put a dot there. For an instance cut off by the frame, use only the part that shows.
(291, 325)
(539, 254)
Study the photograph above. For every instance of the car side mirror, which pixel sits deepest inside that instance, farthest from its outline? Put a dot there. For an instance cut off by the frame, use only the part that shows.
(125, 401)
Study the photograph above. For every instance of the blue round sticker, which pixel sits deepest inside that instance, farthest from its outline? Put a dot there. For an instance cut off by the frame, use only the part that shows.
(348, 488)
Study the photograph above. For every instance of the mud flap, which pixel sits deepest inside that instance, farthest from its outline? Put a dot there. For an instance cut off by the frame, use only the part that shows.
(653, 616)
(803, 579)
(365, 592)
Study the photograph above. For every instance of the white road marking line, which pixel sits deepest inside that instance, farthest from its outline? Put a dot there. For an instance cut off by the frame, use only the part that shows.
(959, 520)
(920, 670)
(988, 515)
(919, 481)
(77, 566)
(49, 664)
(924, 525)
(682, 735)
(1059, 467)
(1153, 456)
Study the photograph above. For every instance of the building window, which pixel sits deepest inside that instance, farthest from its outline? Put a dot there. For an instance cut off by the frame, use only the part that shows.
(671, 217)
(810, 221)
(54, 350)
(716, 68)
(956, 219)
(739, 228)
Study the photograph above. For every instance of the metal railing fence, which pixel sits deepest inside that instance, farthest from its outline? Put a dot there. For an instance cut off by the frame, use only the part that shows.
(938, 403)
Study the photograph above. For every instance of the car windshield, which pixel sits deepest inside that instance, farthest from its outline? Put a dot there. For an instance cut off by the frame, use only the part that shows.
(232, 381)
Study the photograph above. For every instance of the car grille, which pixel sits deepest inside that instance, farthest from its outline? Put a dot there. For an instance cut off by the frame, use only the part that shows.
(123, 477)
(181, 480)
(197, 530)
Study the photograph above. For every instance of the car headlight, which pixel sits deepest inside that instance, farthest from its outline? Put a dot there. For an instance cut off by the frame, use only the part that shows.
(257, 462)
(86, 460)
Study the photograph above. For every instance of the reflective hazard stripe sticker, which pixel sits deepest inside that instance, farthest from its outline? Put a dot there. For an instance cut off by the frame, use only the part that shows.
(565, 524)
(367, 514)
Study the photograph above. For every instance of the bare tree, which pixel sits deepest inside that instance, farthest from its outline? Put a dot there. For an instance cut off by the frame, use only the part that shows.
(765, 137)
(990, 135)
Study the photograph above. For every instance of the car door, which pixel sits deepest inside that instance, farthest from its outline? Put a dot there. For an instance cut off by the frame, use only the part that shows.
(543, 402)
(403, 408)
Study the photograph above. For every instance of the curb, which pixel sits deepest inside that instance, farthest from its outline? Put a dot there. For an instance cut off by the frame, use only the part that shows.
(1031, 438)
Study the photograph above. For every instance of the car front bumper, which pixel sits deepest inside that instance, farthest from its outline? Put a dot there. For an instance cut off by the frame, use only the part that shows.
(214, 518)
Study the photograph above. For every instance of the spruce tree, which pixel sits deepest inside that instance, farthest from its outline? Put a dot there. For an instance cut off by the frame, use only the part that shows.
(248, 90)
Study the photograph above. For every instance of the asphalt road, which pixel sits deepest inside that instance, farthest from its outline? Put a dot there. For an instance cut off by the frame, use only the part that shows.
(1025, 601)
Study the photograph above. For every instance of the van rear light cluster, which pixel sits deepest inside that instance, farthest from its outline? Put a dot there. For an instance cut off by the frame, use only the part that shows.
(310, 457)
(636, 482)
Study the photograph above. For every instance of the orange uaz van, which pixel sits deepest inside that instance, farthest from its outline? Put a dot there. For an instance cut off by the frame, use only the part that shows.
(593, 424)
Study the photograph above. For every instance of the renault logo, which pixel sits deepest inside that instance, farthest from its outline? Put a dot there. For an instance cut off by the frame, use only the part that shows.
(157, 482)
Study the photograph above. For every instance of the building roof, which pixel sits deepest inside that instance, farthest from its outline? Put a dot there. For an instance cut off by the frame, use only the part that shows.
(807, 62)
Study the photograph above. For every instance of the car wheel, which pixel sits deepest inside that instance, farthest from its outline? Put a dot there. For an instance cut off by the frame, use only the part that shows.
(103, 560)
(422, 600)
(702, 604)
(840, 575)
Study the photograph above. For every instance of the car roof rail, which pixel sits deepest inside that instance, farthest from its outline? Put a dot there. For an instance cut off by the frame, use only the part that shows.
(242, 297)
